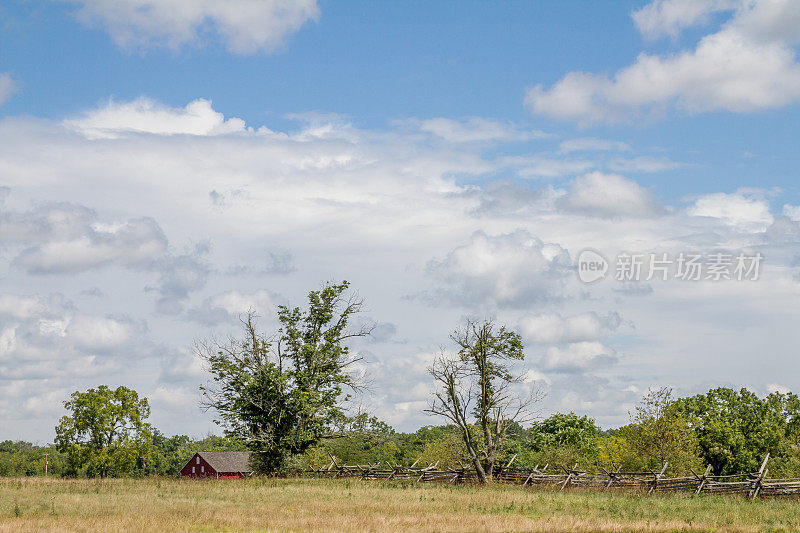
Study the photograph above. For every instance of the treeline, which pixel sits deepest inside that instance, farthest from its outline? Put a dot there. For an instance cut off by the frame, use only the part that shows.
(165, 457)
(727, 429)
(730, 430)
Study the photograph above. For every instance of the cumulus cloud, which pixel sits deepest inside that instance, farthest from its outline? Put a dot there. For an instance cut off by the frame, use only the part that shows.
(509, 270)
(65, 238)
(749, 65)
(146, 116)
(42, 328)
(7, 87)
(24, 307)
(609, 195)
(97, 333)
(231, 306)
(553, 328)
(578, 357)
(134, 243)
(792, 211)
(741, 210)
(179, 275)
(669, 17)
(246, 26)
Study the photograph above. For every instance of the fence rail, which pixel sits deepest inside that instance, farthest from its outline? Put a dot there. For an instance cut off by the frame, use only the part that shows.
(751, 484)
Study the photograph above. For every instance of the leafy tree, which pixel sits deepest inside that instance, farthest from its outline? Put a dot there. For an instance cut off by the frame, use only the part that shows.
(659, 434)
(565, 430)
(563, 439)
(360, 439)
(281, 394)
(446, 450)
(736, 429)
(106, 432)
(474, 390)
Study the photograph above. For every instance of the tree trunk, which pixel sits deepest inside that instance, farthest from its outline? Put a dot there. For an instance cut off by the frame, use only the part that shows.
(482, 476)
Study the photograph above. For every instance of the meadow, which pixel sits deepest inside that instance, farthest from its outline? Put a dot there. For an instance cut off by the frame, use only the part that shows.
(165, 504)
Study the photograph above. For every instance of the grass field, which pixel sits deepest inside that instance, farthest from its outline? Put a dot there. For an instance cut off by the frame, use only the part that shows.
(36, 504)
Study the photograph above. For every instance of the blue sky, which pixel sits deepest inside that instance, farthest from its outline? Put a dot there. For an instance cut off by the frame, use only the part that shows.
(380, 61)
(167, 164)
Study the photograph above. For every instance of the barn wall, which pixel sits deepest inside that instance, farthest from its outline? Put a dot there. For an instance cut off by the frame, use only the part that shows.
(187, 470)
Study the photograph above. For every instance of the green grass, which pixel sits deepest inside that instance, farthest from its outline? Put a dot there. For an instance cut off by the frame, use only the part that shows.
(35, 504)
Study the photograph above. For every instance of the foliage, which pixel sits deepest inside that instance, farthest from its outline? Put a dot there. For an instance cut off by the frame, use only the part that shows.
(737, 429)
(282, 394)
(362, 439)
(476, 386)
(106, 433)
(563, 439)
(565, 430)
(19, 458)
(659, 434)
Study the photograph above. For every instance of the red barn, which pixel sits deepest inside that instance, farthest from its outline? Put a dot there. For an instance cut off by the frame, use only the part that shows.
(225, 465)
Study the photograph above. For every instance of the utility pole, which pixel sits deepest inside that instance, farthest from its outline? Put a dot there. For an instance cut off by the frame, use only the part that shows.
(46, 461)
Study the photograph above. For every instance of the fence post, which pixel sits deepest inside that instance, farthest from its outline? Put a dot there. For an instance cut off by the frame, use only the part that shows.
(657, 477)
(611, 476)
(569, 475)
(703, 480)
(761, 473)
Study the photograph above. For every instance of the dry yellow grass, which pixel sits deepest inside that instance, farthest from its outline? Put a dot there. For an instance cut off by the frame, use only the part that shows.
(35, 504)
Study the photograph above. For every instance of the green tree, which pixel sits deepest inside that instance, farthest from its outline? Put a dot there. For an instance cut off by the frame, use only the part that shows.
(474, 390)
(283, 393)
(106, 432)
(660, 434)
(360, 439)
(736, 429)
(563, 439)
(565, 430)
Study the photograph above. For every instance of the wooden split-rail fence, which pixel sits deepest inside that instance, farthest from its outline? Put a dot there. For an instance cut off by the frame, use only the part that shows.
(752, 484)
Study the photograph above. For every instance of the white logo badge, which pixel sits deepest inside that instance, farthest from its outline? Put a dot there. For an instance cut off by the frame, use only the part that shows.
(592, 266)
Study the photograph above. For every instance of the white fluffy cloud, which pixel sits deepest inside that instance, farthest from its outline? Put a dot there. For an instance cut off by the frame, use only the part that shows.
(146, 116)
(553, 328)
(7, 87)
(67, 238)
(136, 242)
(792, 211)
(578, 357)
(669, 17)
(233, 305)
(246, 26)
(740, 210)
(609, 195)
(513, 269)
(748, 65)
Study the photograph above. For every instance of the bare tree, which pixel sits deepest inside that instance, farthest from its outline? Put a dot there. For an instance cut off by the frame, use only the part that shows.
(475, 390)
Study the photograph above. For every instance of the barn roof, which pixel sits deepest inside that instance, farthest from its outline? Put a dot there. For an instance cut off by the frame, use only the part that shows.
(224, 462)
